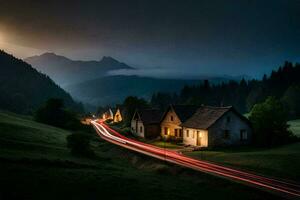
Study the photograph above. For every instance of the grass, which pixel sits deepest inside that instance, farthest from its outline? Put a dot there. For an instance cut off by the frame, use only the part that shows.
(167, 145)
(35, 164)
(282, 162)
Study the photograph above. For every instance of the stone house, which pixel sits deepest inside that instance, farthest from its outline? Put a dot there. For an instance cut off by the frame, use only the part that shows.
(146, 123)
(174, 116)
(216, 126)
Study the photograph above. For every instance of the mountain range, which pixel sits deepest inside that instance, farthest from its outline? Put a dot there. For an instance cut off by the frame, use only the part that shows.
(23, 88)
(65, 71)
(91, 81)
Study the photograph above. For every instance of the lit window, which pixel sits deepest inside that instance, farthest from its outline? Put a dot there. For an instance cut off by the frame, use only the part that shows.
(166, 131)
(199, 134)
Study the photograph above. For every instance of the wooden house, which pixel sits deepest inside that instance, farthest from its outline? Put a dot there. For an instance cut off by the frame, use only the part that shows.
(146, 123)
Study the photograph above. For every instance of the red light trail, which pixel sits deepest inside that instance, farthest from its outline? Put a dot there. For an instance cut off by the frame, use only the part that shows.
(112, 136)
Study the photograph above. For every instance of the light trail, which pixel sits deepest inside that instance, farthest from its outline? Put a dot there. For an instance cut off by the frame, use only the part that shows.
(110, 135)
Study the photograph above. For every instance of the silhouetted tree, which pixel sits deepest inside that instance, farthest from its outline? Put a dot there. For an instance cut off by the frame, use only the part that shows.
(55, 114)
(132, 103)
(291, 100)
(269, 120)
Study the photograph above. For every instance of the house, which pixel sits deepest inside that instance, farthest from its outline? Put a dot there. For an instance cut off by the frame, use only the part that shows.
(146, 123)
(108, 115)
(216, 126)
(174, 116)
(118, 116)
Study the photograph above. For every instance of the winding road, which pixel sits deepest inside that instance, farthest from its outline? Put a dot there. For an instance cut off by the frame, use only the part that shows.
(284, 188)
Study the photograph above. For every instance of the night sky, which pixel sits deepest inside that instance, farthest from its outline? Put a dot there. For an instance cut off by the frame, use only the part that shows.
(198, 37)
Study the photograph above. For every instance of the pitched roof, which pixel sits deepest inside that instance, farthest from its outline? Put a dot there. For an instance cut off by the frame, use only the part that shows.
(184, 111)
(206, 116)
(150, 116)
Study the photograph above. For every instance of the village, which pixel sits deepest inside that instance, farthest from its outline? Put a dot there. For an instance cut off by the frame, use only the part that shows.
(190, 126)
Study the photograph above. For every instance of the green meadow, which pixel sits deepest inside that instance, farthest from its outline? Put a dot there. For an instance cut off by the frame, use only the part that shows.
(282, 162)
(36, 164)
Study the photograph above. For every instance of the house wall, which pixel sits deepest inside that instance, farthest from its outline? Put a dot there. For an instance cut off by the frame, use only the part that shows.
(171, 125)
(216, 133)
(136, 126)
(133, 125)
(191, 137)
(152, 130)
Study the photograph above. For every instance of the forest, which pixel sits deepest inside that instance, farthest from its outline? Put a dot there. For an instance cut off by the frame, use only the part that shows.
(23, 89)
(283, 84)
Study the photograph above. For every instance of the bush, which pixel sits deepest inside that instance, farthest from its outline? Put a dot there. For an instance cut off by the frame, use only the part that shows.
(269, 120)
(79, 143)
(54, 113)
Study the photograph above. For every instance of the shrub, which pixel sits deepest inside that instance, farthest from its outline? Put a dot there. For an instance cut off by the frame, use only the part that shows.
(79, 143)
(269, 120)
(54, 113)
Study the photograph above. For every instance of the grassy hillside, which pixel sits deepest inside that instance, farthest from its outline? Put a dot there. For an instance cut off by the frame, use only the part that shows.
(274, 162)
(35, 164)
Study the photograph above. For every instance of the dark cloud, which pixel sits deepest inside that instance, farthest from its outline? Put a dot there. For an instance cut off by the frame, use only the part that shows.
(224, 36)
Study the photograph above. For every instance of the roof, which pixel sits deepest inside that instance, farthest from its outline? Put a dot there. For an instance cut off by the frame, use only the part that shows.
(150, 116)
(206, 116)
(182, 111)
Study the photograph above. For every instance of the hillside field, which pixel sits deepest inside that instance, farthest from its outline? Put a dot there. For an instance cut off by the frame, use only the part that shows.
(35, 164)
(274, 162)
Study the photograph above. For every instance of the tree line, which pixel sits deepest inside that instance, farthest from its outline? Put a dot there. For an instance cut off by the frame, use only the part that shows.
(271, 102)
(283, 84)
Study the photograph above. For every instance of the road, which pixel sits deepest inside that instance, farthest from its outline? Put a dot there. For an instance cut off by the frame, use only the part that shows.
(284, 188)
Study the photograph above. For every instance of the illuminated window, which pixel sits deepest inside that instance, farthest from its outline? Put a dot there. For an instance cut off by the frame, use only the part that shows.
(187, 133)
(166, 131)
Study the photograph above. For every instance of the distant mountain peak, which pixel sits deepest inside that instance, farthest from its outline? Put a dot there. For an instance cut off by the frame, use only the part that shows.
(49, 56)
(66, 71)
(107, 60)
